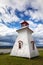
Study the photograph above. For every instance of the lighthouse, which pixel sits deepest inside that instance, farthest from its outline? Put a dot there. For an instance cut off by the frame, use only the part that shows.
(24, 45)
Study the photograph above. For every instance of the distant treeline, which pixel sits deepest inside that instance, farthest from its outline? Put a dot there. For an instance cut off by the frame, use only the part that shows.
(39, 46)
(9, 47)
(6, 47)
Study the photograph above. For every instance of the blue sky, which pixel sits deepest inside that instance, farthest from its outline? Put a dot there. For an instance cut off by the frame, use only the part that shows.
(12, 12)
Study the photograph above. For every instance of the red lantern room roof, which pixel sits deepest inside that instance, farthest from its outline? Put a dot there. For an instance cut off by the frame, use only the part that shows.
(24, 23)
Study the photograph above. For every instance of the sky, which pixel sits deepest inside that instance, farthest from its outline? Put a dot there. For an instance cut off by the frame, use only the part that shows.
(12, 12)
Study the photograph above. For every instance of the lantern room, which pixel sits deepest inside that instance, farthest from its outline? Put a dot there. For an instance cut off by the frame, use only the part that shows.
(24, 23)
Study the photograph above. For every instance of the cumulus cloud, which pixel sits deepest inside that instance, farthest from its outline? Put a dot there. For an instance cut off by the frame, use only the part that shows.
(8, 40)
(21, 5)
(32, 25)
(37, 5)
(5, 44)
(4, 30)
(7, 8)
(7, 35)
(8, 15)
(32, 8)
(3, 3)
(38, 34)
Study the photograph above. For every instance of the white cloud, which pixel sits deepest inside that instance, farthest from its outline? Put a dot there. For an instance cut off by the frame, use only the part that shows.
(7, 34)
(36, 15)
(41, 41)
(32, 25)
(5, 44)
(4, 30)
(26, 12)
(20, 4)
(2, 10)
(3, 3)
(10, 18)
(38, 33)
(37, 4)
(39, 28)
(6, 17)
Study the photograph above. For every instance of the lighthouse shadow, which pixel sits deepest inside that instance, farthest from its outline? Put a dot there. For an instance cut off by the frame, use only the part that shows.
(37, 58)
(34, 58)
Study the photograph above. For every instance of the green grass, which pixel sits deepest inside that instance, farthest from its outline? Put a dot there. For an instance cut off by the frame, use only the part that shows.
(6, 59)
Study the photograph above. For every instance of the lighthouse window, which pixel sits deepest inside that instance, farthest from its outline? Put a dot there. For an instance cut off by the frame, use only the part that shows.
(33, 45)
(20, 44)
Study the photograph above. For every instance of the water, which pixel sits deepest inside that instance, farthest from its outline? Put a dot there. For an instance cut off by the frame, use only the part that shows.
(5, 50)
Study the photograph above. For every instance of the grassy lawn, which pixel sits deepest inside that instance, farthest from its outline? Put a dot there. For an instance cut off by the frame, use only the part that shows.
(6, 59)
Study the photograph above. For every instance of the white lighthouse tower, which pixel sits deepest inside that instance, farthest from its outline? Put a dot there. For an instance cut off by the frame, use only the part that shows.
(24, 45)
